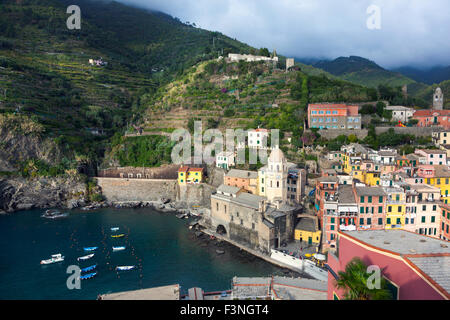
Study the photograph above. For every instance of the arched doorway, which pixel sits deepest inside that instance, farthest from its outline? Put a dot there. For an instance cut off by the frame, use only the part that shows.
(221, 230)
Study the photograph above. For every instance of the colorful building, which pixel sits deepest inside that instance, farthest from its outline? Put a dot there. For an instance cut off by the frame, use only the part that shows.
(433, 157)
(333, 116)
(226, 160)
(413, 265)
(371, 203)
(188, 174)
(247, 180)
(395, 207)
(307, 230)
(437, 176)
(430, 118)
(444, 233)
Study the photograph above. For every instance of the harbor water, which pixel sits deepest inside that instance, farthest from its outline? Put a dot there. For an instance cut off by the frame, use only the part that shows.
(160, 245)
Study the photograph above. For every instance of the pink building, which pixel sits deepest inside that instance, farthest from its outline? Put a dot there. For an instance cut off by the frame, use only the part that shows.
(433, 157)
(414, 265)
(429, 118)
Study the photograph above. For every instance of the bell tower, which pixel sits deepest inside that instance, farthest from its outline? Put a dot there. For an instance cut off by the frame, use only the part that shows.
(438, 99)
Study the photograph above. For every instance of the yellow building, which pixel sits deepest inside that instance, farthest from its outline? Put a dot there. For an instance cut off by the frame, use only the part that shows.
(190, 175)
(307, 230)
(371, 178)
(437, 176)
(395, 208)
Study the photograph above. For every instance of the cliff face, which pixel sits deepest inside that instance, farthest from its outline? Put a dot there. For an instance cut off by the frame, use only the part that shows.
(17, 193)
(21, 140)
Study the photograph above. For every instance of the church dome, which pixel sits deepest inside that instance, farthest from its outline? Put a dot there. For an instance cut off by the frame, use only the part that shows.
(277, 156)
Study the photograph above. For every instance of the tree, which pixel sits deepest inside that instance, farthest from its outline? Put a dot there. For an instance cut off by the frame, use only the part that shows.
(380, 108)
(352, 138)
(354, 281)
(264, 52)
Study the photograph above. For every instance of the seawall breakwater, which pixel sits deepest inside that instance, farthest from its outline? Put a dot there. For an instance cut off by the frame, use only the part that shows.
(121, 190)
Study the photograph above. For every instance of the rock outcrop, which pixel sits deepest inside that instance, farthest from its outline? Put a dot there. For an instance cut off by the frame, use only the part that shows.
(17, 193)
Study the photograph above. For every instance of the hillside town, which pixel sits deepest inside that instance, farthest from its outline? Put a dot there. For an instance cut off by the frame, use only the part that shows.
(306, 219)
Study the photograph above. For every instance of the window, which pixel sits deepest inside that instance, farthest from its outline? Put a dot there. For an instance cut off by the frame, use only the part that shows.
(332, 227)
(380, 199)
(380, 221)
(433, 219)
(390, 209)
(361, 210)
(399, 221)
(423, 219)
(361, 221)
(369, 221)
(362, 197)
(332, 220)
(388, 221)
(369, 198)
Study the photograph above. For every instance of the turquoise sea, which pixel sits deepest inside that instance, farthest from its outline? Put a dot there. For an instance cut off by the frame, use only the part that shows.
(161, 246)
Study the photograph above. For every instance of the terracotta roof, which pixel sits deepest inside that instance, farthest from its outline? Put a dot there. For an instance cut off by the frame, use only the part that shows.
(429, 113)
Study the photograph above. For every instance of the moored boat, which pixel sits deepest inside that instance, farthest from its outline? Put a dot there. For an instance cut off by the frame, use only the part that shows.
(118, 248)
(85, 257)
(53, 214)
(90, 268)
(115, 229)
(118, 235)
(55, 258)
(125, 268)
(90, 248)
(88, 276)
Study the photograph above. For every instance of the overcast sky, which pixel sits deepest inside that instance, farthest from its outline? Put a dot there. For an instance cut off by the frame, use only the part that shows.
(413, 32)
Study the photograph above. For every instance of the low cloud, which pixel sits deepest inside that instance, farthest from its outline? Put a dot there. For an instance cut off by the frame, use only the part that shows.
(413, 32)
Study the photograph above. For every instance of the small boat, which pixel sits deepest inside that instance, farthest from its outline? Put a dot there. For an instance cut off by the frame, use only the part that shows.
(85, 257)
(90, 248)
(53, 214)
(220, 251)
(118, 248)
(115, 229)
(88, 276)
(118, 235)
(125, 268)
(90, 268)
(55, 258)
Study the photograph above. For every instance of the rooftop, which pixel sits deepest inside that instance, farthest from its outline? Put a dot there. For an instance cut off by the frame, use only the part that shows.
(370, 191)
(307, 224)
(401, 242)
(429, 255)
(171, 292)
(242, 174)
(228, 189)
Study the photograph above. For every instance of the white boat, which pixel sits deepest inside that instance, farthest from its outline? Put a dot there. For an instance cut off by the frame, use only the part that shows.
(85, 257)
(118, 248)
(115, 229)
(125, 268)
(55, 258)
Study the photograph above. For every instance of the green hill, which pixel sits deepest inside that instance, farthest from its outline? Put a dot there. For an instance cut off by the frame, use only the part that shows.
(362, 71)
(45, 70)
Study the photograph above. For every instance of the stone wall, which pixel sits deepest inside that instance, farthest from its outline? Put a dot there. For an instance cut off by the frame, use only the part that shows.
(118, 189)
(417, 131)
(164, 172)
(361, 134)
(334, 133)
(122, 190)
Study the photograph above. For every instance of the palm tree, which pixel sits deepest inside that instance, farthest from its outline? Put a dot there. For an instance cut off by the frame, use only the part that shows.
(354, 282)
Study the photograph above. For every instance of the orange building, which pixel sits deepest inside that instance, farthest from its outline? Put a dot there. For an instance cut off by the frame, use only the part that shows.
(333, 116)
(247, 180)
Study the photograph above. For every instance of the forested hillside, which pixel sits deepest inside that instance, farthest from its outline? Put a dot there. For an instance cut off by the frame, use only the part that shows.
(45, 71)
